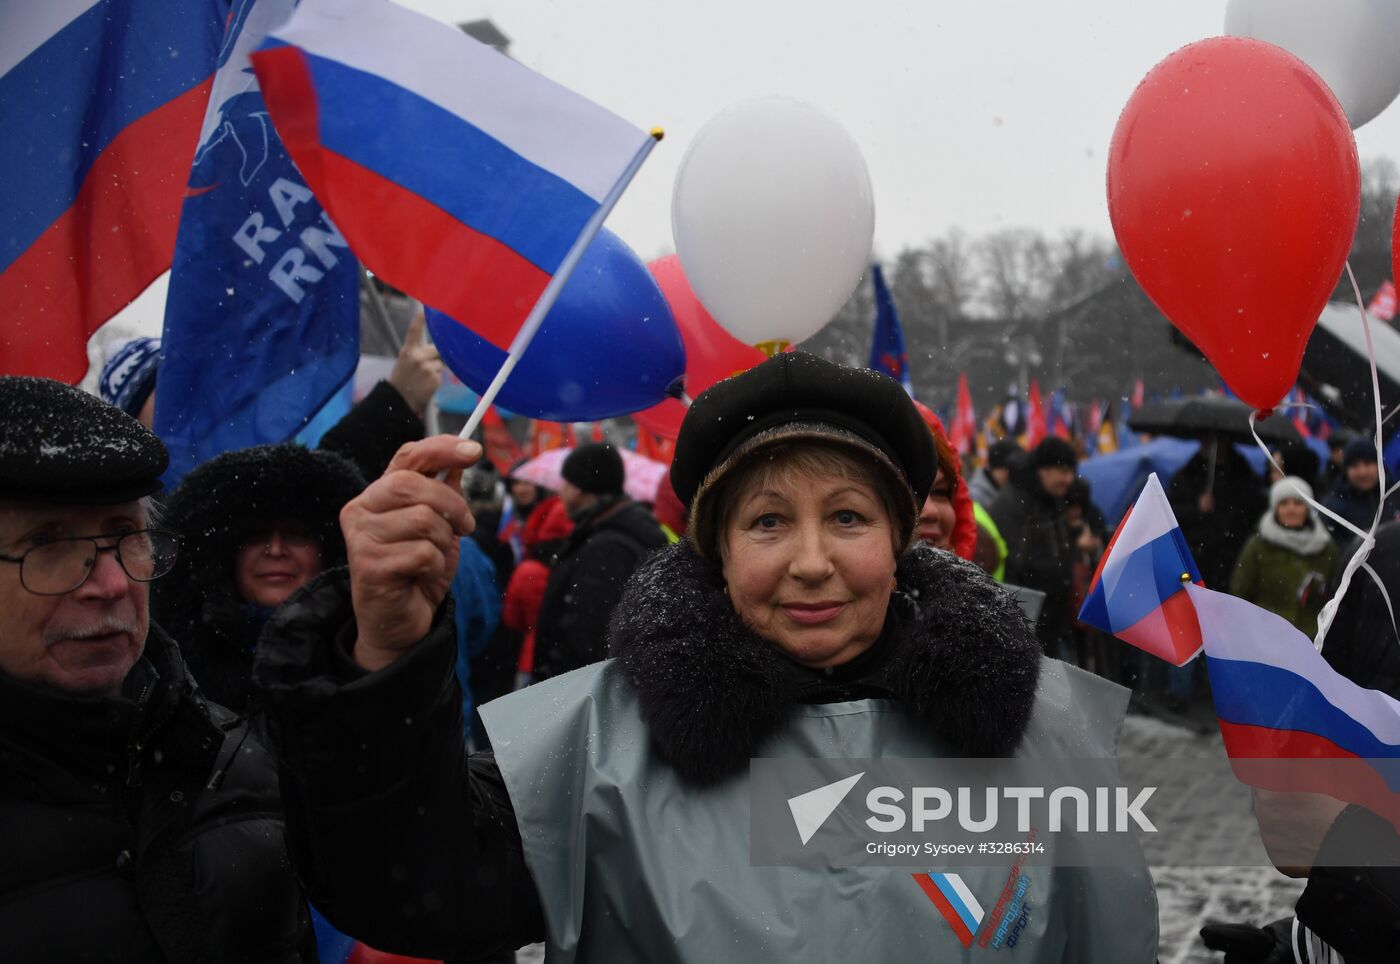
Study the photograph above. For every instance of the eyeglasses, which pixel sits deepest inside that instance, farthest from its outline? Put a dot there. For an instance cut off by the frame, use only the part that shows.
(60, 566)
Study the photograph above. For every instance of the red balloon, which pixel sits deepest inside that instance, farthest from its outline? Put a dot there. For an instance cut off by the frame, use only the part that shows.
(1395, 247)
(711, 353)
(1234, 188)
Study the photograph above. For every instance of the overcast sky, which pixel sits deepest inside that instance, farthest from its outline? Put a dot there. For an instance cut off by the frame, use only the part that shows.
(981, 115)
(977, 114)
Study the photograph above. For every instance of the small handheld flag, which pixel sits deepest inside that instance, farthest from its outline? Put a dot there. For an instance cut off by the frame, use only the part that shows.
(1136, 594)
(1278, 701)
(458, 175)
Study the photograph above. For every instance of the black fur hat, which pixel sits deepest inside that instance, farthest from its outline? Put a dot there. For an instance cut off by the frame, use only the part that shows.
(794, 395)
(217, 505)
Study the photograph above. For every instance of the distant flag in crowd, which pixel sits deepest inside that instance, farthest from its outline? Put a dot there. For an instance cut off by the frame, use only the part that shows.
(262, 323)
(1382, 303)
(501, 448)
(1093, 425)
(1060, 417)
(1278, 701)
(963, 428)
(887, 352)
(1139, 396)
(545, 436)
(1136, 592)
(100, 104)
(1126, 437)
(1036, 428)
(458, 175)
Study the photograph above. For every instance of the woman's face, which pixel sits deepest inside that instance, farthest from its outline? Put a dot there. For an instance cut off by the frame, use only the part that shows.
(1292, 513)
(810, 565)
(524, 493)
(936, 520)
(275, 561)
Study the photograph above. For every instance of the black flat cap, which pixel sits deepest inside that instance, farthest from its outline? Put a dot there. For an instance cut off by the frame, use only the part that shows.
(796, 387)
(60, 444)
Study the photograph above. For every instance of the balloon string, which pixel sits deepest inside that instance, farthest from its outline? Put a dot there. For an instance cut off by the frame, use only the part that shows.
(1368, 540)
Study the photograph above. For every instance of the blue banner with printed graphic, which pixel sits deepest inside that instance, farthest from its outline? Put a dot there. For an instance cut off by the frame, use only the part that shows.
(262, 319)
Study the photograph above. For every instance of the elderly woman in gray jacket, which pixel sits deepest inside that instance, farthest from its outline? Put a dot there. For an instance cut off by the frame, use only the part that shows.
(613, 822)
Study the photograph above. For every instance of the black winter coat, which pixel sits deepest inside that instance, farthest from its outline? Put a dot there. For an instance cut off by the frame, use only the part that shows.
(115, 846)
(1358, 508)
(1038, 550)
(371, 432)
(586, 583)
(443, 874)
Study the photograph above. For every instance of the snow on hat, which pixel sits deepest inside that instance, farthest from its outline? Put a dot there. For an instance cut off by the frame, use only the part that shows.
(129, 376)
(60, 444)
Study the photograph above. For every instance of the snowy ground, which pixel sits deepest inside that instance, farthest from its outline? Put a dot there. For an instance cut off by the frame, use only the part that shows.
(1187, 896)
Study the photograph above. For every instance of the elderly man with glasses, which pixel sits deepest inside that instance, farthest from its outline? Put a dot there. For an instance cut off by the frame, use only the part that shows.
(138, 821)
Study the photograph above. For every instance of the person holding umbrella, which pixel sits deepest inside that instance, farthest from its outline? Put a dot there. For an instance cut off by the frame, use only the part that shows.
(1216, 496)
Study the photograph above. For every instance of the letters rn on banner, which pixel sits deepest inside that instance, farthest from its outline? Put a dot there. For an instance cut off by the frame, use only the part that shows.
(262, 321)
(99, 104)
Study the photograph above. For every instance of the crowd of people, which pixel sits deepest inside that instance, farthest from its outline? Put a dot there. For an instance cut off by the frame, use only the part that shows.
(258, 692)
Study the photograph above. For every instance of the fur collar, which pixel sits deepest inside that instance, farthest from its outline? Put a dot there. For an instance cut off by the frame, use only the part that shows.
(712, 692)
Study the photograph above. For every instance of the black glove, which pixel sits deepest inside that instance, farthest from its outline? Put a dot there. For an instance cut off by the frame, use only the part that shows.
(1247, 944)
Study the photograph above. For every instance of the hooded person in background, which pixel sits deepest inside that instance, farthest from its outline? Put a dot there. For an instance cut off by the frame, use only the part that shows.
(1358, 492)
(139, 821)
(1029, 514)
(612, 536)
(549, 526)
(255, 526)
(1290, 566)
(987, 481)
(946, 519)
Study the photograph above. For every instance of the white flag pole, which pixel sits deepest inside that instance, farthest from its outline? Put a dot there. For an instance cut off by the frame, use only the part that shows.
(556, 285)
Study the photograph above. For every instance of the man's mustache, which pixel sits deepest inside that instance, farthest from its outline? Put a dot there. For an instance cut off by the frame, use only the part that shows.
(107, 626)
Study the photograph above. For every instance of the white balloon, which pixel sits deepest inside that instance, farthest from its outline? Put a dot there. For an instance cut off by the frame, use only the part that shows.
(773, 218)
(1350, 43)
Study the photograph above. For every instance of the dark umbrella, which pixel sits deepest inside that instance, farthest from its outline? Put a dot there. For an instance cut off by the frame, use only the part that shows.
(1202, 416)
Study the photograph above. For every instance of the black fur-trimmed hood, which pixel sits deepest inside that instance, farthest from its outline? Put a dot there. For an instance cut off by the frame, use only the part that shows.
(966, 662)
(219, 503)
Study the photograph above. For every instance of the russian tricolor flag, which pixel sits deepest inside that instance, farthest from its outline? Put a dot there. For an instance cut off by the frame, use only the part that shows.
(1136, 593)
(1289, 721)
(957, 904)
(1279, 702)
(100, 105)
(457, 174)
